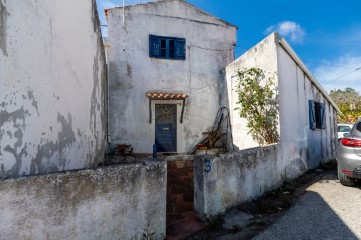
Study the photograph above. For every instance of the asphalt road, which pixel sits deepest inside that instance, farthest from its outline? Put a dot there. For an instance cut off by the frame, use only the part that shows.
(327, 211)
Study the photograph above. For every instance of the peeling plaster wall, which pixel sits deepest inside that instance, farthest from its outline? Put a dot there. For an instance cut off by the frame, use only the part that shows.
(302, 147)
(119, 202)
(264, 56)
(209, 48)
(52, 78)
(222, 182)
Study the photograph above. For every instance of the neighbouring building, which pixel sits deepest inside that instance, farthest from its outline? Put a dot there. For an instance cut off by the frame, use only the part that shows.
(307, 115)
(52, 87)
(166, 74)
(53, 119)
(306, 128)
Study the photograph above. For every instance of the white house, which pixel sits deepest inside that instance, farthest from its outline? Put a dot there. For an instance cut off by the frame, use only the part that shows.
(166, 74)
(306, 128)
(52, 87)
(307, 115)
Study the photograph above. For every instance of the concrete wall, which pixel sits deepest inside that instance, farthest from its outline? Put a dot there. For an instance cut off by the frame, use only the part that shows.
(52, 83)
(224, 181)
(209, 48)
(264, 56)
(302, 146)
(119, 202)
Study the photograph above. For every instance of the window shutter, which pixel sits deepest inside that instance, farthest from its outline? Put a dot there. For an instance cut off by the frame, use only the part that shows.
(312, 115)
(322, 116)
(180, 48)
(154, 46)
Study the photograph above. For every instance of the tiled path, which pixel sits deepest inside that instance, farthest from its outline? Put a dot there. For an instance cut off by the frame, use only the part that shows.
(181, 219)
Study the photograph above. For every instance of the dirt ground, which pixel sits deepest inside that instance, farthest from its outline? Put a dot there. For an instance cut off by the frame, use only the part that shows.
(266, 209)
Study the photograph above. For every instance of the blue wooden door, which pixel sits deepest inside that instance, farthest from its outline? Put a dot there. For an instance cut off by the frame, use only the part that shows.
(166, 127)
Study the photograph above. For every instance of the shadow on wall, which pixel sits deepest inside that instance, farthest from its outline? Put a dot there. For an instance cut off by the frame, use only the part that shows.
(311, 218)
(296, 161)
(258, 103)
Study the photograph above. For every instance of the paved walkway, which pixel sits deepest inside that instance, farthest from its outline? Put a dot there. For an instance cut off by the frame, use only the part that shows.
(181, 218)
(327, 211)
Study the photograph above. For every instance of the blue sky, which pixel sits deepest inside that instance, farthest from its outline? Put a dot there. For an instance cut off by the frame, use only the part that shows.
(326, 35)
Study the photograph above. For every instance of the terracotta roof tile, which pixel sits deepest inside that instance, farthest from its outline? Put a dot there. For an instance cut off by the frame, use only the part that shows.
(166, 95)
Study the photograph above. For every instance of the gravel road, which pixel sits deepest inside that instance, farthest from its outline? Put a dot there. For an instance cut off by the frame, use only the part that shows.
(327, 211)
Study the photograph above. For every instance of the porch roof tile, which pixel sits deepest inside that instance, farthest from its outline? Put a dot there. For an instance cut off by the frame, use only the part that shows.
(166, 95)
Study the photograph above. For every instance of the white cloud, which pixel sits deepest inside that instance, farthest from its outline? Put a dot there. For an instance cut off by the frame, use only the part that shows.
(288, 29)
(340, 73)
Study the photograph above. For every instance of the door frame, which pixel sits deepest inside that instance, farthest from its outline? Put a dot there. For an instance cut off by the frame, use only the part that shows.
(175, 123)
(180, 130)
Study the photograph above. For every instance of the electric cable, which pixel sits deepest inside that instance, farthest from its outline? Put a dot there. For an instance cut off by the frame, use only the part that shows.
(356, 69)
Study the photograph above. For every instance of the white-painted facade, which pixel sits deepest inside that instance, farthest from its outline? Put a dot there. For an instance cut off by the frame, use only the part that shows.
(132, 72)
(52, 87)
(301, 147)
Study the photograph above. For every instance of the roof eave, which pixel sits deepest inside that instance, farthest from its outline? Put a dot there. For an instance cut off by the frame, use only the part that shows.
(299, 62)
(184, 2)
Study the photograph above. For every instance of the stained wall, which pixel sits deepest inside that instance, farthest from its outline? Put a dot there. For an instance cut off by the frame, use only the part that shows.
(209, 48)
(52, 87)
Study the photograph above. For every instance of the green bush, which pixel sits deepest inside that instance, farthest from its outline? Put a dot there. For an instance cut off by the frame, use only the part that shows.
(258, 104)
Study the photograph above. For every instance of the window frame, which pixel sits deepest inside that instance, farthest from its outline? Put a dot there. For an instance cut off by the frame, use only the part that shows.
(317, 115)
(170, 48)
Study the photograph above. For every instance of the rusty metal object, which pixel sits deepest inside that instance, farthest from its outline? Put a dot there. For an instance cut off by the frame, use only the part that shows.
(213, 137)
(124, 149)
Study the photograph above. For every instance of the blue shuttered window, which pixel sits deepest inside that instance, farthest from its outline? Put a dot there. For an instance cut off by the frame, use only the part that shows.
(180, 48)
(167, 47)
(316, 115)
(312, 115)
(154, 46)
(322, 116)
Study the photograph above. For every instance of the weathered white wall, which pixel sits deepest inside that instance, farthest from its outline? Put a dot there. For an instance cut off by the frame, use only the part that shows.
(302, 147)
(264, 56)
(52, 77)
(234, 178)
(209, 48)
(119, 202)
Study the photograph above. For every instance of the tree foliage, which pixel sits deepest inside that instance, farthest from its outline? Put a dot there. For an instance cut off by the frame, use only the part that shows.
(258, 104)
(349, 102)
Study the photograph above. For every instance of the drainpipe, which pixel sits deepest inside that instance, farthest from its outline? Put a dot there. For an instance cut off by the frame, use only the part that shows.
(107, 103)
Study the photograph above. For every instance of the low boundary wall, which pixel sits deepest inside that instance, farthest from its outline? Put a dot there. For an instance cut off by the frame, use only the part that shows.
(224, 181)
(115, 202)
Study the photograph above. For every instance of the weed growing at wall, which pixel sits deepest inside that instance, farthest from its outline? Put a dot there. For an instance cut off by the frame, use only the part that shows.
(148, 233)
(258, 104)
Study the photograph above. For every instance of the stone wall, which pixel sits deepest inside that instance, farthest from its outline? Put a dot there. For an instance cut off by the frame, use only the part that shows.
(117, 202)
(224, 181)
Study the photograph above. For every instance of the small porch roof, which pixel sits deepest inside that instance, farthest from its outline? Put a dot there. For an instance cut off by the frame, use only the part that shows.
(162, 95)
